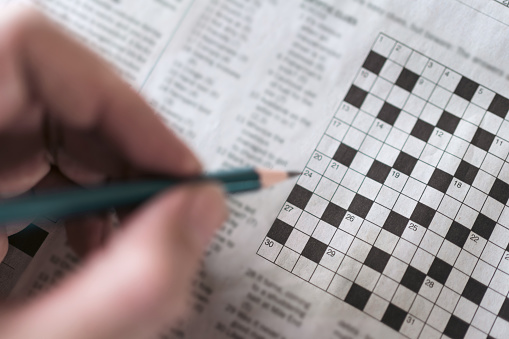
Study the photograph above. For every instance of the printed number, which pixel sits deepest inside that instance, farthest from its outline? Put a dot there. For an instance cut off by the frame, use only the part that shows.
(364, 74)
(318, 156)
(288, 208)
(350, 217)
(345, 108)
(506, 257)
(457, 183)
(421, 81)
(429, 283)
(269, 242)
(379, 124)
(430, 64)
(439, 133)
(410, 320)
(395, 174)
(335, 165)
(331, 252)
(480, 91)
(447, 73)
(336, 123)
(474, 238)
(308, 173)
(498, 141)
(412, 226)
(398, 48)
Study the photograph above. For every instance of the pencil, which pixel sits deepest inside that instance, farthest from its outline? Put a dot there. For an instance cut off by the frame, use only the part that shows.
(77, 201)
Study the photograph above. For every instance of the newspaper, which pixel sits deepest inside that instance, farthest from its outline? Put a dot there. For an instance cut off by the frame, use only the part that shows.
(395, 111)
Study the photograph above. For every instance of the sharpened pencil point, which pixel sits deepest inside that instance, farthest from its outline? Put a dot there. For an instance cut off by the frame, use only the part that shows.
(271, 177)
(294, 174)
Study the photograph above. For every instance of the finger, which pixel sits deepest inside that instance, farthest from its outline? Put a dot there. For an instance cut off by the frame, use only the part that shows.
(138, 283)
(4, 244)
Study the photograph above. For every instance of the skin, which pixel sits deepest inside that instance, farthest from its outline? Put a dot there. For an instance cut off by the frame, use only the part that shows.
(65, 119)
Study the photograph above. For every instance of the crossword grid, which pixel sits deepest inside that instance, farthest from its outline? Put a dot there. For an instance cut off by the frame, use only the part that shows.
(401, 210)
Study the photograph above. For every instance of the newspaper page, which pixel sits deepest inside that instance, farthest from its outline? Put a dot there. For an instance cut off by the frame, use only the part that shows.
(395, 112)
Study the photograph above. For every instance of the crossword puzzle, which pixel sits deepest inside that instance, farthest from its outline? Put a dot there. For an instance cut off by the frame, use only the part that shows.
(401, 210)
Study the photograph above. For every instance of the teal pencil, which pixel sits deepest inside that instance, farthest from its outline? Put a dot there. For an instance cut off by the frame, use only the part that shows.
(77, 201)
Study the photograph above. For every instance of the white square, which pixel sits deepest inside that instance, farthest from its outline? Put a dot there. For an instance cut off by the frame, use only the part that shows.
(318, 163)
(378, 214)
(449, 206)
(439, 138)
(504, 130)
(492, 164)
(414, 146)
(500, 237)
(352, 180)
(403, 298)
(304, 268)
(396, 180)
(381, 88)
(371, 146)
(440, 97)
(491, 123)
(504, 173)
(367, 278)
(332, 259)
(341, 241)
(492, 208)
(361, 163)
(474, 114)
(376, 306)
(422, 171)
(289, 214)
(421, 308)
(483, 97)
(395, 269)
(466, 216)
(431, 155)
(396, 138)
(368, 232)
(400, 54)
(411, 327)
(404, 250)
(316, 205)
(475, 244)
(349, 268)
(339, 287)
(449, 163)
(372, 105)
(466, 262)
(359, 250)
(423, 88)
(297, 240)
(500, 282)
(449, 80)
(504, 218)
(346, 113)
(386, 287)
(324, 232)
(416, 62)
(465, 130)
(484, 181)
(343, 197)
(483, 320)
(458, 190)
(386, 241)
(430, 289)
(414, 105)
(475, 198)
(309, 181)
(365, 79)
(448, 299)
(384, 45)
(422, 260)
(500, 148)
(431, 114)
(387, 197)
(431, 242)
(351, 223)
(354, 138)
(337, 129)
(328, 146)
(387, 155)
(322, 277)
(433, 71)
(270, 249)
(370, 188)
(413, 233)
(414, 188)
(448, 252)
(438, 318)
(380, 130)
(405, 206)
(405, 122)
(335, 171)
(504, 263)
(440, 224)
(287, 258)
(307, 223)
(391, 71)
(431, 197)
(457, 106)
(475, 155)
(429, 332)
(398, 96)
(483, 272)
(326, 188)
(457, 147)
(492, 301)
(465, 310)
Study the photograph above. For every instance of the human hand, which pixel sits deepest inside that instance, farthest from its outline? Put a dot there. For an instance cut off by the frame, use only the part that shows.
(61, 106)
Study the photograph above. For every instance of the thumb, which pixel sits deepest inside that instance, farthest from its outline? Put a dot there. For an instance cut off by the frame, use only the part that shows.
(138, 283)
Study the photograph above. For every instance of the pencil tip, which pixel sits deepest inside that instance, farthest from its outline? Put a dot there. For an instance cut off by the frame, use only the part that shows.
(293, 174)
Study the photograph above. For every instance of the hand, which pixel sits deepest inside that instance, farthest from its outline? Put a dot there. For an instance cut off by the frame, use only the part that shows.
(62, 107)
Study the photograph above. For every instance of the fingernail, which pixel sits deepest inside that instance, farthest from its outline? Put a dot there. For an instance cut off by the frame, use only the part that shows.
(208, 211)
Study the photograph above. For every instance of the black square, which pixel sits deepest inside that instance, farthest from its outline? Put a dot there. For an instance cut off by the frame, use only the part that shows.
(356, 96)
(423, 215)
(360, 206)
(466, 172)
(448, 122)
(483, 139)
(483, 226)
(394, 317)
(466, 88)
(395, 223)
(499, 106)
(500, 191)
(379, 171)
(405, 163)
(439, 270)
(29, 240)
(299, 196)
(457, 234)
(504, 310)
(280, 231)
(407, 79)
(440, 180)
(413, 279)
(374, 62)
(422, 130)
(474, 291)
(333, 214)
(344, 155)
(456, 328)
(377, 259)
(314, 250)
(358, 296)
(389, 113)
